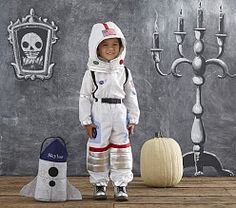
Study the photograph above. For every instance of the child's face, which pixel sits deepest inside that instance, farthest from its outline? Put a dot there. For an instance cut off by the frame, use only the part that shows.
(109, 49)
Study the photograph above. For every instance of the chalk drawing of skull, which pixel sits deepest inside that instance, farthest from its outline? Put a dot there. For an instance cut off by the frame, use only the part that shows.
(32, 38)
(32, 44)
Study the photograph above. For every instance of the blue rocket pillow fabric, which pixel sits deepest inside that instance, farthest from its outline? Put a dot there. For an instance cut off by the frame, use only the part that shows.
(54, 149)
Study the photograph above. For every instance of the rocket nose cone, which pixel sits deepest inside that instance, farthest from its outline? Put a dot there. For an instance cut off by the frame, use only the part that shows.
(54, 149)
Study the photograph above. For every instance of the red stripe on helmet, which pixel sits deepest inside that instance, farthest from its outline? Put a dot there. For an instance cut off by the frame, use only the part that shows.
(106, 26)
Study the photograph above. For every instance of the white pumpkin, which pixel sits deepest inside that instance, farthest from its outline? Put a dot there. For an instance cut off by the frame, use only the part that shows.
(161, 162)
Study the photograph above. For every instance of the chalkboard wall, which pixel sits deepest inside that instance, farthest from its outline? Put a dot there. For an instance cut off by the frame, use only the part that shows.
(33, 110)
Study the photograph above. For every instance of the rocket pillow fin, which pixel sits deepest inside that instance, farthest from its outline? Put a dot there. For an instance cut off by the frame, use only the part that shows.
(72, 192)
(29, 189)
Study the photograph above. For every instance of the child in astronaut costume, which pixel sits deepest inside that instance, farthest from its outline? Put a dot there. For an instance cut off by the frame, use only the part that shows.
(108, 109)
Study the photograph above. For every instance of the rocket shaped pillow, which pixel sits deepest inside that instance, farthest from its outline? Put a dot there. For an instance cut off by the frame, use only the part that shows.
(51, 183)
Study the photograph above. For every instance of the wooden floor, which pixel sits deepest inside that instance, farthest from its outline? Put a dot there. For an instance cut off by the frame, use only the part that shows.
(191, 192)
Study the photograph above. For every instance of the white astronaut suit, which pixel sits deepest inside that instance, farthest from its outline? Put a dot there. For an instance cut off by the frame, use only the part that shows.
(110, 151)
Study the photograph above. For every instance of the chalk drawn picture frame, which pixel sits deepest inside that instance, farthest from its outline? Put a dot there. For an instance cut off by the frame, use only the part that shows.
(32, 40)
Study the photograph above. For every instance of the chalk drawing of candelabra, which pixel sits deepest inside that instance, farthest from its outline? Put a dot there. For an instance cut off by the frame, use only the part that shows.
(197, 158)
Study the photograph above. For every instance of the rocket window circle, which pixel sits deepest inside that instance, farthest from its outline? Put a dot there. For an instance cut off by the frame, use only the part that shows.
(52, 183)
(53, 171)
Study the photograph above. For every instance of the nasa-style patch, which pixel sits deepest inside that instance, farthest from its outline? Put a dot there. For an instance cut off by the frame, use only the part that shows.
(95, 62)
(108, 32)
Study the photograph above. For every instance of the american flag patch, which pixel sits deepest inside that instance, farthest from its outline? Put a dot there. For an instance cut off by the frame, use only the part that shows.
(108, 32)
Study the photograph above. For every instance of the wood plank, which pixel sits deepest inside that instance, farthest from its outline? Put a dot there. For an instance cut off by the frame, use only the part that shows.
(25, 202)
(172, 206)
(191, 192)
(232, 191)
(142, 191)
(187, 192)
(198, 182)
(184, 200)
(21, 202)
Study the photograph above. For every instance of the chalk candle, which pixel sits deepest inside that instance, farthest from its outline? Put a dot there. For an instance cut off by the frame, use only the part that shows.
(180, 21)
(180, 34)
(221, 35)
(156, 50)
(221, 21)
(155, 36)
(155, 40)
(199, 15)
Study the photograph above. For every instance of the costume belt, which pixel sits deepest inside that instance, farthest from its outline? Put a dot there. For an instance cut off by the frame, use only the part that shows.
(111, 100)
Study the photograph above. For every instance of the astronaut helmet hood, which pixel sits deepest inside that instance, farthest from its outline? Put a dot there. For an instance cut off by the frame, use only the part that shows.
(100, 32)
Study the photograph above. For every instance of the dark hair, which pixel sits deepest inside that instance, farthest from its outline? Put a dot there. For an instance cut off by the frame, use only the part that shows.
(120, 42)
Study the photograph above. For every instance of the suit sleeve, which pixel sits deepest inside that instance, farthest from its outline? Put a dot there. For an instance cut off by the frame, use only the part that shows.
(131, 101)
(85, 99)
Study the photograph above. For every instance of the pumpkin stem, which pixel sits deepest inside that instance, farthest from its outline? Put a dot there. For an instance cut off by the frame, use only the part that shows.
(159, 134)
